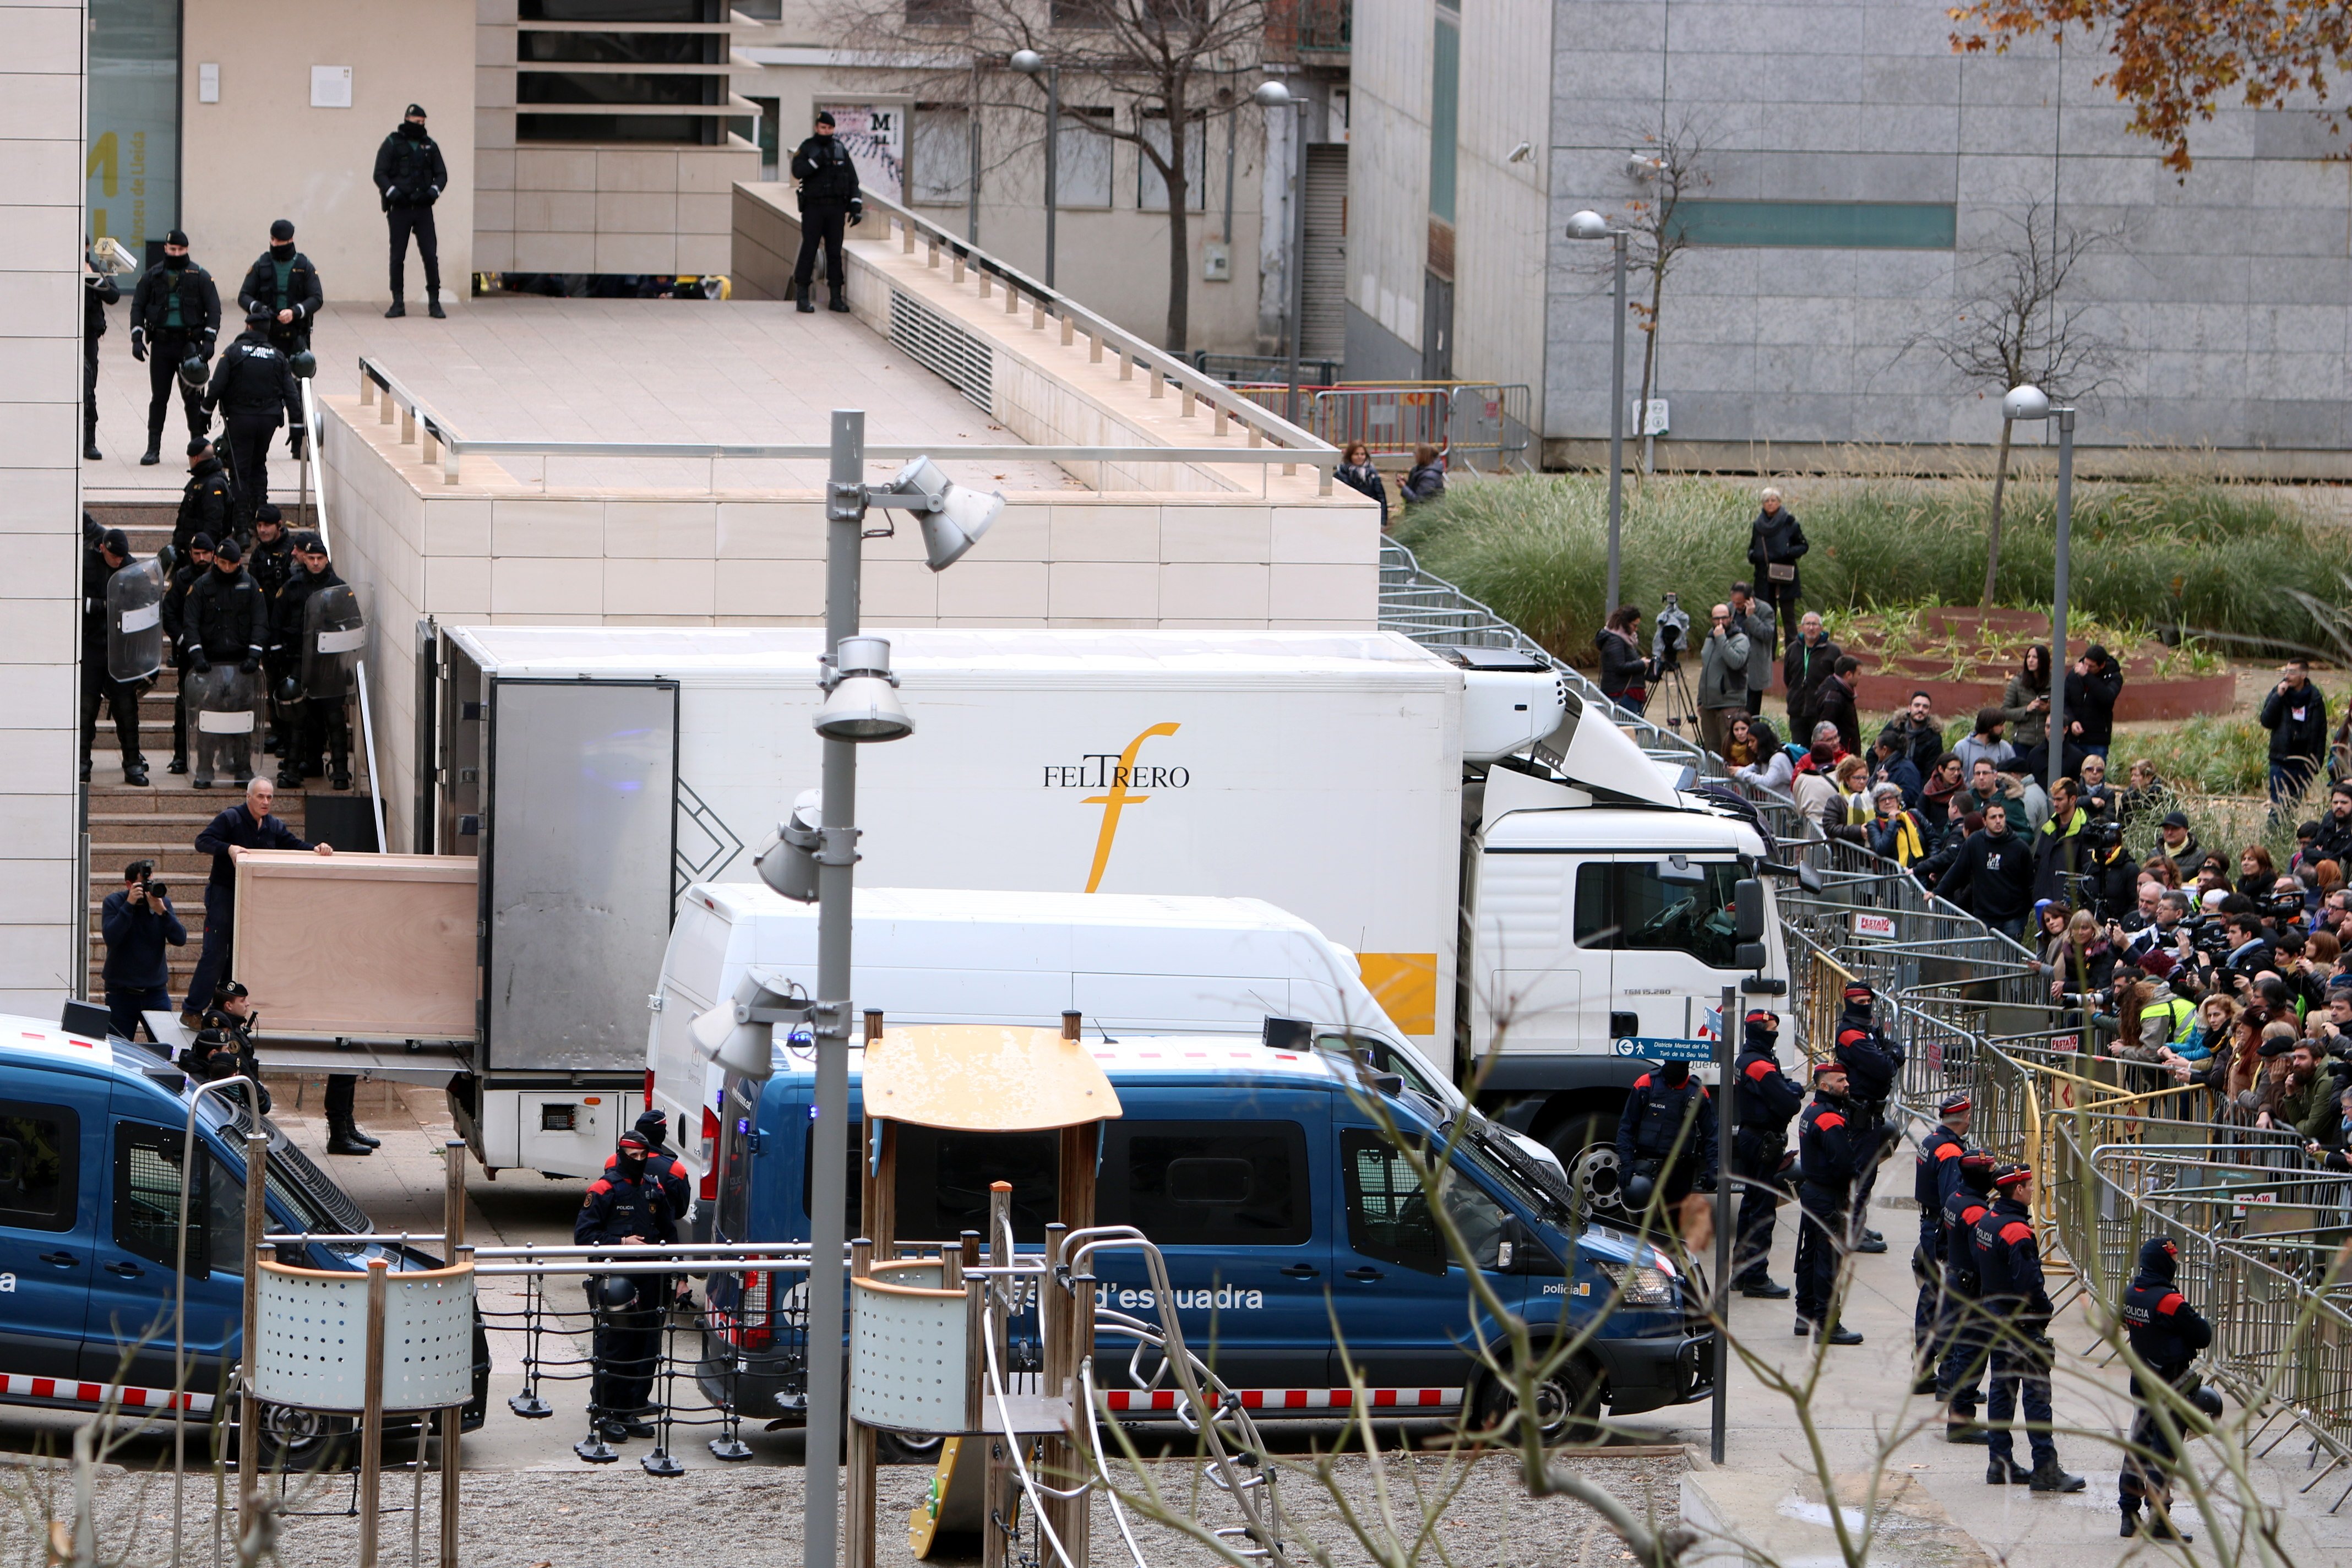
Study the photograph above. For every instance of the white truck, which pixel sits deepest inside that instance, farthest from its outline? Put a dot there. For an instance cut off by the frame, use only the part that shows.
(1511, 875)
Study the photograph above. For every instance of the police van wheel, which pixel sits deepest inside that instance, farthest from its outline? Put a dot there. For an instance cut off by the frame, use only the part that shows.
(1568, 1403)
(300, 1442)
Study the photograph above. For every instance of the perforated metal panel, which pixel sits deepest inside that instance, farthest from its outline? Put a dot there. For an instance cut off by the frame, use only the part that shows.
(944, 349)
(312, 1349)
(909, 1360)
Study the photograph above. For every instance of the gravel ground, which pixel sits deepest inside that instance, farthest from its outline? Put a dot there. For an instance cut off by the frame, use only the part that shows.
(751, 1518)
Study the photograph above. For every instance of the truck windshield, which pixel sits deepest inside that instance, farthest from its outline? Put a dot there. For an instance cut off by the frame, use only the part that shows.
(1626, 906)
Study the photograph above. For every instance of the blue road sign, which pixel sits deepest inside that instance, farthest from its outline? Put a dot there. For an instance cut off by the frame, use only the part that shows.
(1662, 1050)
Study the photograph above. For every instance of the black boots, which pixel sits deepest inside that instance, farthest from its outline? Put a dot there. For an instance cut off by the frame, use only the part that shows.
(1839, 1334)
(801, 302)
(151, 456)
(2049, 1477)
(2007, 1473)
(2160, 1525)
(433, 307)
(345, 1138)
(1764, 1288)
(399, 309)
(839, 301)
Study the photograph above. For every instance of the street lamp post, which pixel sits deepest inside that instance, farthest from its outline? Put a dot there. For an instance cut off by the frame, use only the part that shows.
(2032, 404)
(815, 861)
(1274, 95)
(1030, 63)
(1591, 225)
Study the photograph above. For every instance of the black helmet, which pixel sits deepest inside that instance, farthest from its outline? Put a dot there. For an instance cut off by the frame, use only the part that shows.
(289, 690)
(192, 372)
(2208, 1399)
(303, 363)
(615, 1291)
(1638, 1192)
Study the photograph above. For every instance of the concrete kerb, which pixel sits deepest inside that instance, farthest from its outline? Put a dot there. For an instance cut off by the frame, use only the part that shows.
(1743, 1518)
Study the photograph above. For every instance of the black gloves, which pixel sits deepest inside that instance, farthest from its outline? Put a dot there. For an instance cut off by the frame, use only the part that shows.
(138, 343)
(856, 211)
(252, 664)
(294, 442)
(198, 662)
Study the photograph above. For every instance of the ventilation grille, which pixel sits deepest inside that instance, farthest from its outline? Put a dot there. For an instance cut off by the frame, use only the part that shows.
(944, 349)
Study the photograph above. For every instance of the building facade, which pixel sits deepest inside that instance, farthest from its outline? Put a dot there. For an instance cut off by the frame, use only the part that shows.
(1859, 188)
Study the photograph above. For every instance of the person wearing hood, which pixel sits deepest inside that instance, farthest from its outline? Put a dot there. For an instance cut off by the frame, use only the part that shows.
(626, 1205)
(1873, 1062)
(253, 387)
(1665, 1140)
(1829, 1165)
(283, 281)
(1766, 1099)
(2166, 1333)
(175, 316)
(2017, 1311)
(410, 177)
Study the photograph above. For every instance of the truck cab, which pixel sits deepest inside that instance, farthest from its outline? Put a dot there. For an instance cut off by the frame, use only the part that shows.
(1281, 1208)
(92, 1137)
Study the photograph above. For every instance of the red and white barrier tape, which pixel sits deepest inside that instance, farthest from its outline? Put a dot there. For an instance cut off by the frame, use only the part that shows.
(1294, 1398)
(14, 1385)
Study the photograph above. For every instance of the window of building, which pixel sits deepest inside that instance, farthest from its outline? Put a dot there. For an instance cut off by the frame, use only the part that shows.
(1208, 1183)
(588, 71)
(938, 158)
(1151, 191)
(938, 13)
(1444, 115)
(133, 157)
(1627, 906)
(1082, 159)
(1824, 225)
(40, 1159)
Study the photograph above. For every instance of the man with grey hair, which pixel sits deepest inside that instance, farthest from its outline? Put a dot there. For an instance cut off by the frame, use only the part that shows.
(1810, 658)
(1775, 544)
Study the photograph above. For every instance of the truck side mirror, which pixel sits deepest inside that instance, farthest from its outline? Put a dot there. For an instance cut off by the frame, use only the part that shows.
(1748, 912)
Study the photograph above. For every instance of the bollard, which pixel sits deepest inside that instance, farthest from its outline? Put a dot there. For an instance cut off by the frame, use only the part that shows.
(248, 1408)
(863, 1460)
(371, 1413)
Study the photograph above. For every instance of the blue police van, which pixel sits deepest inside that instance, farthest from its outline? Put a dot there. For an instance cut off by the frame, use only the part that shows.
(1281, 1208)
(92, 1135)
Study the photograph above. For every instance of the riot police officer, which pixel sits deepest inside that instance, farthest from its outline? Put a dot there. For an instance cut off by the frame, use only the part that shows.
(321, 729)
(627, 1206)
(179, 641)
(1767, 1101)
(174, 316)
(410, 177)
(271, 561)
(284, 283)
(206, 506)
(828, 198)
(98, 565)
(677, 1185)
(254, 389)
(1873, 1062)
(1959, 1376)
(1665, 1138)
(1937, 1172)
(228, 624)
(1829, 1164)
(2166, 1333)
(2017, 1320)
(99, 291)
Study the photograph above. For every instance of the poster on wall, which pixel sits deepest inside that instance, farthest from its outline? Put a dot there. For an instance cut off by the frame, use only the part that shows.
(132, 169)
(876, 135)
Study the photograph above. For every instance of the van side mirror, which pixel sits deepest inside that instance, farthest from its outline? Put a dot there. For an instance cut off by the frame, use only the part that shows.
(1747, 915)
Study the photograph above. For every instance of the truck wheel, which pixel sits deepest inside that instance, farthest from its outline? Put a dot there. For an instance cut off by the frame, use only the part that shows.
(906, 1448)
(1567, 1402)
(305, 1442)
(1588, 1153)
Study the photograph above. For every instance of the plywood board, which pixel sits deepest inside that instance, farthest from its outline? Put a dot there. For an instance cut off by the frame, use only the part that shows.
(985, 1078)
(358, 946)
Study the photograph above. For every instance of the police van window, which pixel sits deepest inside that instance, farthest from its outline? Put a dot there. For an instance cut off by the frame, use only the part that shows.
(1387, 1212)
(1208, 1183)
(41, 1158)
(1627, 906)
(147, 1199)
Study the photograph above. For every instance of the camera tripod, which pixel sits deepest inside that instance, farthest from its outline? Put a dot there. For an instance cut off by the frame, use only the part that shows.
(1673, 705)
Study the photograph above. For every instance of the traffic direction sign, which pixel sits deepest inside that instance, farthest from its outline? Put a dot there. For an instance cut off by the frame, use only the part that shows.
(1663, 1050)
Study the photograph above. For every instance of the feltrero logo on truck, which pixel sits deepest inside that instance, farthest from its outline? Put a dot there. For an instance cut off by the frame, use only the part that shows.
(1118, 775)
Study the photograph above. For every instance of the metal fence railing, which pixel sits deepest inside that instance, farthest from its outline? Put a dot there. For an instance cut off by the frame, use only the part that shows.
(1476, 425)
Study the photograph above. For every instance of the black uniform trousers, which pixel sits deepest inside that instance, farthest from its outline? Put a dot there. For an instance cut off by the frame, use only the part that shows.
(323, 733)
(1870, 1144)
(1759, 1197)
(339, 1089)
(627, 1350)
(122, 696)
(1959, 1376)
(2146, 1475)
(166, 350)
(1931, 1315)
(90, 390)
(1821, 1244)
(418, 221)
(249, 436)
(2020, 1376)
(826, 228)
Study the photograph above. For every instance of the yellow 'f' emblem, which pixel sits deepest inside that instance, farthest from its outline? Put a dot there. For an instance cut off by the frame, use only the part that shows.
(1119, 800)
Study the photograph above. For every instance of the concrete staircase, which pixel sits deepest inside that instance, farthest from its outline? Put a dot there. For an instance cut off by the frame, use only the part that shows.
(161, 821)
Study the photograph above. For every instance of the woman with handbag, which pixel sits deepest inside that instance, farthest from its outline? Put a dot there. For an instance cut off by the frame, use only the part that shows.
(1775, 543)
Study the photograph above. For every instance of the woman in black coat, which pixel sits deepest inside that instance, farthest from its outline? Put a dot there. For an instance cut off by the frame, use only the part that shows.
(1356, 472)
(1624, 673)
(1775, 543)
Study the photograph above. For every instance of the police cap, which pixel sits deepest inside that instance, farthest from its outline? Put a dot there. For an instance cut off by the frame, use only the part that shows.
(115, 541)
(228, 550)
(202, 541)
(282, 230)
(230, 988)
(199, 446)
(2008, 1176)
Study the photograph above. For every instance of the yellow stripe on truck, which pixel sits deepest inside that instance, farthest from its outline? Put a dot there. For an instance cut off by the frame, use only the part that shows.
(1406, 986)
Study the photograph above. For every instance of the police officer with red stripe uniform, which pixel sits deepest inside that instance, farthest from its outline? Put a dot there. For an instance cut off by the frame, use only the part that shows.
(1937, 1172)
(2166, 1333)
(1873, 1062)
(2017, 1315)
(1665, 1137)
(1959, 1377)
(1826, 1160)
(626, 1205)
(1766, 1099)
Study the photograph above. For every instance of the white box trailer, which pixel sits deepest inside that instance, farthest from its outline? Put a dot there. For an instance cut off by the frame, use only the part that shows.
(1426, 810)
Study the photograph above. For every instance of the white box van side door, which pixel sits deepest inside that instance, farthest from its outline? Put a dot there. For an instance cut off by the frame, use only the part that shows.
(1534, 987)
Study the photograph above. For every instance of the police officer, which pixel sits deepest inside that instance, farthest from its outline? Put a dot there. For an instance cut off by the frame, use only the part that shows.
(2017, 1320)
(283, 282)
(828, 197)
(2166, 1333)
(253, 386)
(174, 316)
(1665, 1136)
(195, 561)
(271, 561)
(1873, 1062)
(206, 505)
(1959, 1377)
(99, 291)
(1937, 1172)
(322, 728)
(224, 1045)
(1766, 1099)
(627, 1206)
(228, 624)
(410, 176)
(98, 565)
(677, 1186)
(1829, 1167)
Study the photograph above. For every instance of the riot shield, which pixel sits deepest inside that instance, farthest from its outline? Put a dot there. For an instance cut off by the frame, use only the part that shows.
(221, 702)
(135, 621)
(333, 636)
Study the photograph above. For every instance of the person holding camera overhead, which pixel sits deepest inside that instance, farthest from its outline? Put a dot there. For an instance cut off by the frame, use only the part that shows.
(137, 922)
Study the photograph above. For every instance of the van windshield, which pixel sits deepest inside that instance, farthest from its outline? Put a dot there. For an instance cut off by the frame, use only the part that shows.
(320, 1207)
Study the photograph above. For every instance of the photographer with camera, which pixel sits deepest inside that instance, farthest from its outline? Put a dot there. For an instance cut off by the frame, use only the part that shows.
(2110, 875)
(1722, 677)
(138, 923)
